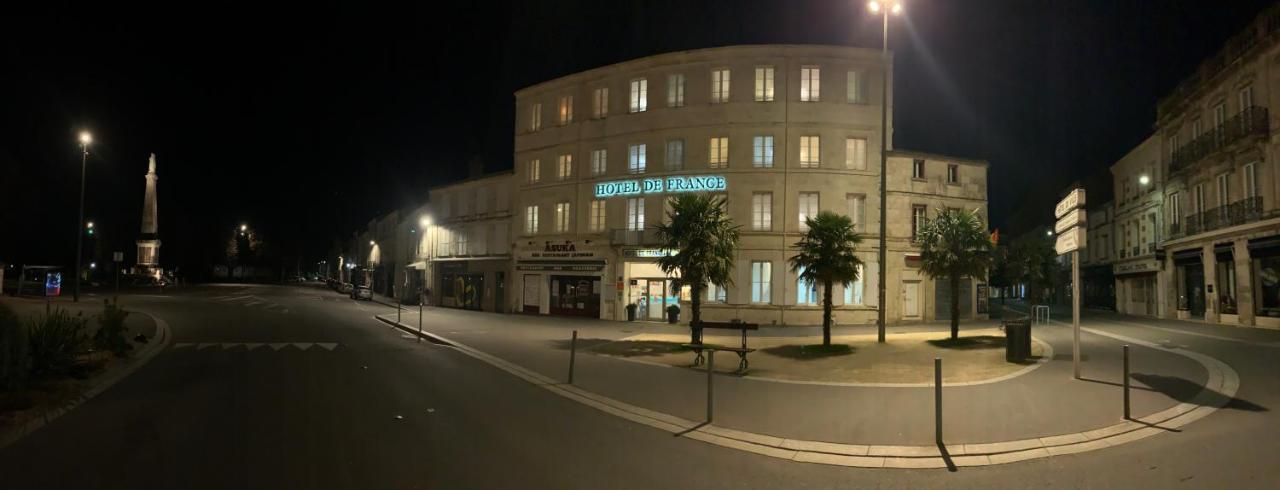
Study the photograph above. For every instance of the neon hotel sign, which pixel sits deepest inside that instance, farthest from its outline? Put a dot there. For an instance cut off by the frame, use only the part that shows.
(659, 185)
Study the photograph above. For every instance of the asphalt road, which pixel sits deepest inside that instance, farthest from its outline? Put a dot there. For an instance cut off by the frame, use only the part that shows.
(381, 410)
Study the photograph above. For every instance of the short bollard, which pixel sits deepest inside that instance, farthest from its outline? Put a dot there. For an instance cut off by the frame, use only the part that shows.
(711, 362)
(573, 352)
(937, 399)
(1126, 382)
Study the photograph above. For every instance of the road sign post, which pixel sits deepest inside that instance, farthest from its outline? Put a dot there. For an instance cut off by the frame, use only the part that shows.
(1070, 214)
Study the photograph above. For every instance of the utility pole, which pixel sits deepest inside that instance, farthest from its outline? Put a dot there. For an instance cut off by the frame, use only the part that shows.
(85, 138)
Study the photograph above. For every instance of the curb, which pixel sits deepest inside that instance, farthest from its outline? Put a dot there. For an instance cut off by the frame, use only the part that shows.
(1221, 377)
(158, 342)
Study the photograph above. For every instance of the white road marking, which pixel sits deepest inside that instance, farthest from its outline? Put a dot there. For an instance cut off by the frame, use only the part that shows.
(302, 345)
(327, 345)
(277, 345)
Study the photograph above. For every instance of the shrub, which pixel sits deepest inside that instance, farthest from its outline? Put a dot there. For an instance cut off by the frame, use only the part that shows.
(14, 361)
(111, 330)
(55, 339)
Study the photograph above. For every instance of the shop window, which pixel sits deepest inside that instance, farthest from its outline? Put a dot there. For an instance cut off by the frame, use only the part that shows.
(1266, 273)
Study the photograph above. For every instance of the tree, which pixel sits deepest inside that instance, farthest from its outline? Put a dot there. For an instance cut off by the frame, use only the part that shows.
(826, 255)
(1031, 260)
(705, 242)
(955, 245)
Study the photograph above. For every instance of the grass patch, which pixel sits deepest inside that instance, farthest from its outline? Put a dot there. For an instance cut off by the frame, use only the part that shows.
(810, 352)
(970, 343)
(640, 348)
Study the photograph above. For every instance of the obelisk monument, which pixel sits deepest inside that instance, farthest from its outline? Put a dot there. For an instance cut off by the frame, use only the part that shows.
(149, 241)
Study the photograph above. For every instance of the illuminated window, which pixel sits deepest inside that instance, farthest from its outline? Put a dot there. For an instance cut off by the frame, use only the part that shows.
(853, 290)
(635, 159)
(639, 95)
(635, 214)
(762, 211)
(531, 220)
(534, 169)
(675, 90)
(535, 117)
(806, 292)
(808, 208)
(566, 110)
(563, 217)
(857, 209)
(855, 153)
(761, 280)
(762, 151)
(764, 84)
(600, 102)
(810, 83)
(597, 215)
(564, 166)
(715, 294)
(719, 85)
(599, 161)
(810, 151)
(718, 152)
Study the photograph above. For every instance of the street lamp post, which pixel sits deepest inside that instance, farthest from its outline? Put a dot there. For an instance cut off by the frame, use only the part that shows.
(85, 139)
(884, 10)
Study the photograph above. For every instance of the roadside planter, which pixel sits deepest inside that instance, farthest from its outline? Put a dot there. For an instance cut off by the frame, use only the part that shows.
(1017, 340)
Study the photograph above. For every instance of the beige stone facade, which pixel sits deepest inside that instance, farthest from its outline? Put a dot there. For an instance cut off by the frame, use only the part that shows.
(780, 131)
(1221, 253)
(465, 244)
(1135, 234)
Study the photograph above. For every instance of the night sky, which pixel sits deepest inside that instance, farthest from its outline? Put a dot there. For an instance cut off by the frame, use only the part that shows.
(306, 124)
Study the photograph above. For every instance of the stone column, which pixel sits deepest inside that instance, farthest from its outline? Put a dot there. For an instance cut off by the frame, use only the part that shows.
(1244, 281)
(1168, 297)
(1210, 261)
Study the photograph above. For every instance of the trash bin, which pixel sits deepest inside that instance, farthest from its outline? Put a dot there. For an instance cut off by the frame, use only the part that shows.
(1017, 334)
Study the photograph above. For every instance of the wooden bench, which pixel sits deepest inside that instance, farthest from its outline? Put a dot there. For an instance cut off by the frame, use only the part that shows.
(741, 351)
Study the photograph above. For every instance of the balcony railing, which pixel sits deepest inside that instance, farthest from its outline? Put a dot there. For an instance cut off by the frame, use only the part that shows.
(1236, 213)
(1252, 121)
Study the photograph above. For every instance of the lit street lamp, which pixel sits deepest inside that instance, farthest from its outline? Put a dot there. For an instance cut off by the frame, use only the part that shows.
(1144, 180)
(85, 139)
(884, 9)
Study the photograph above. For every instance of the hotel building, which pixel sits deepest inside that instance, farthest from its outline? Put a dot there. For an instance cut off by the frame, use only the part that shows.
(781, 131)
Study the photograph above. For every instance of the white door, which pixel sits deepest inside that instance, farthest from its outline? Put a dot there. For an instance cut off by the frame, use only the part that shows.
(911, 299)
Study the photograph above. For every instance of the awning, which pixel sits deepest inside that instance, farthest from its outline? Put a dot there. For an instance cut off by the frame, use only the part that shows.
(421, 265)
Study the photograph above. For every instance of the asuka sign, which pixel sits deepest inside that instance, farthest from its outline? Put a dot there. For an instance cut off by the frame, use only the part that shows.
(660, 185)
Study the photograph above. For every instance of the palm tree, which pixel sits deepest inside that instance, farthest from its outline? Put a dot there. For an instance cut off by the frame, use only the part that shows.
(955, 245)
(826, 256)
(706, 241)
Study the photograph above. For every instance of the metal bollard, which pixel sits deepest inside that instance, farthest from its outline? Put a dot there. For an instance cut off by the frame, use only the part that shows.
(937, 399)
(1126, 382)
(711, 362)
(573, 352)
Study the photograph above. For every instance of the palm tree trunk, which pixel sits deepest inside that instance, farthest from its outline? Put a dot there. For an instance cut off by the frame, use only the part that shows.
(955, 305)
(826, 314)
(695, 320)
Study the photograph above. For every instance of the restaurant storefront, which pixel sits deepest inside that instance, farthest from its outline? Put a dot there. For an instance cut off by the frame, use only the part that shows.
(565, 279)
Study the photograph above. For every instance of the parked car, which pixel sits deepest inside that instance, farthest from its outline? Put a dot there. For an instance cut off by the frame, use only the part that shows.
(362, 292)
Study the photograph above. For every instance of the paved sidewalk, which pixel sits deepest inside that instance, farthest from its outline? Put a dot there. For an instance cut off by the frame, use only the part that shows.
(1044, 402)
